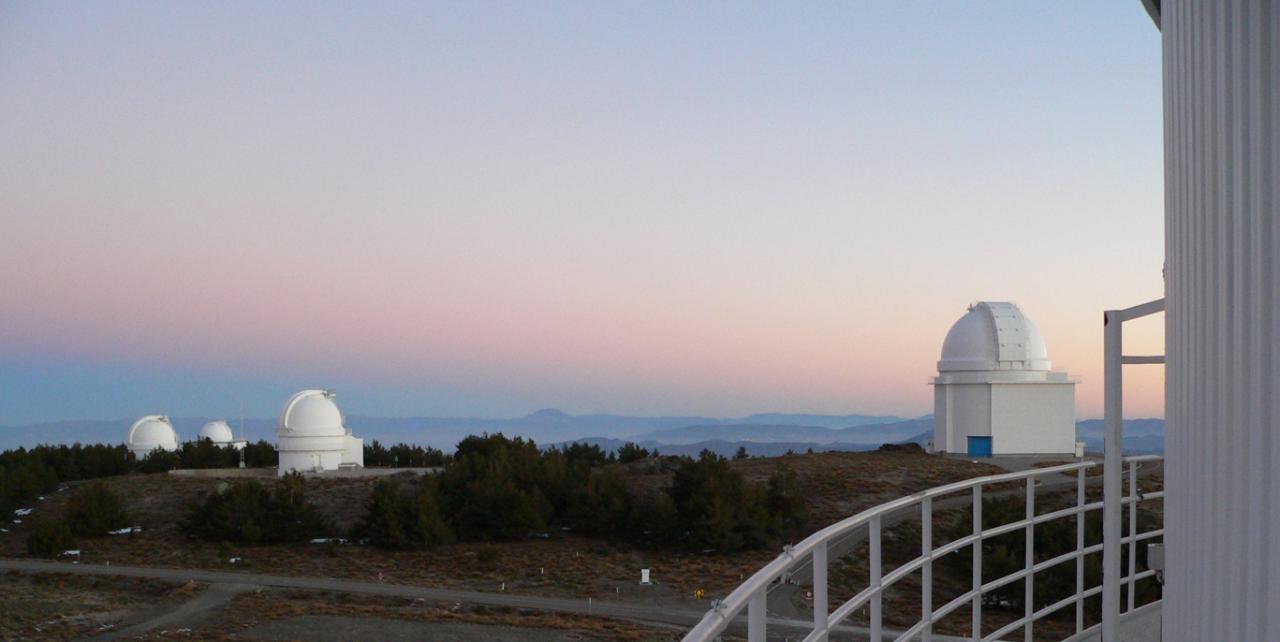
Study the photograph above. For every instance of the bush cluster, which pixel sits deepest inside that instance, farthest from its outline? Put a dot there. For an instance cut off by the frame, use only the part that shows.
(632, 451)
(93, 510)
(404, 516)
(50, 538)
(497, 488)
(27, 474)
(719, 510)
(205, 454)
(402, 455)
(249, 512)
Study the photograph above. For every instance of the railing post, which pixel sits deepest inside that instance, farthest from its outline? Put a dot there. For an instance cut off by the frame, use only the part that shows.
(1080, 516)
(756, 615)
(1133, 531)
(977, 563)
(873, 536)
(820, 613)
(1113, 412)
(1029, 599)
(926, 571)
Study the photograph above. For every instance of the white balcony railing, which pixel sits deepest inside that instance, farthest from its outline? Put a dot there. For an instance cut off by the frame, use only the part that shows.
(753, 594)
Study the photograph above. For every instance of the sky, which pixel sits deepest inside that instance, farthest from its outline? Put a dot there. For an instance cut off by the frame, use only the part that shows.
(486, 208)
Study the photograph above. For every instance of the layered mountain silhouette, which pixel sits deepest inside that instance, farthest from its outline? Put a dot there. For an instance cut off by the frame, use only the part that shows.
(760, 434)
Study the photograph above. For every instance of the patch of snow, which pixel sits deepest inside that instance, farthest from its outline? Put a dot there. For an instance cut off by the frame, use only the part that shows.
(234, 560)
(71, 553)
(17, 521)
(22, 512)
(126, 530)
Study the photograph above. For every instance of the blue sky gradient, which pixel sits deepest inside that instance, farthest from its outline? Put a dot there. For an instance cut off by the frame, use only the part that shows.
(488, 208)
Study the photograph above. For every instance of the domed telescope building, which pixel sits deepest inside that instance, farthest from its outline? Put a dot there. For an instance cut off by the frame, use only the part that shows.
(995, 393)
(311, 436)
(220, 434)
(149, 433)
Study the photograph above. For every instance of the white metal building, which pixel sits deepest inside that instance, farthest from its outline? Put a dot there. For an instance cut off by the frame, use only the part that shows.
(220, 434)
(1222, 318)
(311, 435)
(149, 433)
(995, 393)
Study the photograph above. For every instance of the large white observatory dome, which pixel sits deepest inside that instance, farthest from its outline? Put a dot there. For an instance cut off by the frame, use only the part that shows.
(994, 336)
(311, 413)
(218, 432)
(995, 393)
(149, 433)
(310, 435)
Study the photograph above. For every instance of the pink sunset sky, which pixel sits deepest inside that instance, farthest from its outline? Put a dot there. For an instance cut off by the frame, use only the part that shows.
(474, 210)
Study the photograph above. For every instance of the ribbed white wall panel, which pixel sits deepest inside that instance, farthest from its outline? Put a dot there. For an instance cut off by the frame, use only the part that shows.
(1221, 65)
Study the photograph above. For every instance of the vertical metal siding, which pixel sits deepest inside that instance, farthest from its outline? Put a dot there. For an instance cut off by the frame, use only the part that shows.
(1222, 386)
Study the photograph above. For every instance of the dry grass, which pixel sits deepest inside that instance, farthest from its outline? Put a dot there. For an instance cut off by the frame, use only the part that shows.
(60, 607)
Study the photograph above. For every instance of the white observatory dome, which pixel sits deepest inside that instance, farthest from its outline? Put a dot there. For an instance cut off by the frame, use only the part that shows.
(993, 336)
(151, 432)
(996, 394)
(218, 432)
(311, 413)
(311, 436)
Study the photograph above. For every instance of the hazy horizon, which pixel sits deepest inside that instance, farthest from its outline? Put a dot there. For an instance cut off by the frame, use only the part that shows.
(478, 210)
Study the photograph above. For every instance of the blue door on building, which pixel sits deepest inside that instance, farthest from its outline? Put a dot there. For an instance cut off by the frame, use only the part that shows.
(979, 446)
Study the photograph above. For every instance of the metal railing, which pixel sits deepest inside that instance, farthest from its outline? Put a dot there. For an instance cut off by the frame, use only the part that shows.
(753, 593)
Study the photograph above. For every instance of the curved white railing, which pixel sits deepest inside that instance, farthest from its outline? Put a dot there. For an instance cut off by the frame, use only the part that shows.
(753, 593)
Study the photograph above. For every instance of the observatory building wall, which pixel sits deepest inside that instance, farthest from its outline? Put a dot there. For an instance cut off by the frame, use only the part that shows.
(353, 451)
(967, 413)
(1033, 418)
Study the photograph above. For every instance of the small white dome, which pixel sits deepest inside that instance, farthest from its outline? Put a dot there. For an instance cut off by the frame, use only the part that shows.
(151, 432)
(311, 413)
(218, 432)
(994, 336)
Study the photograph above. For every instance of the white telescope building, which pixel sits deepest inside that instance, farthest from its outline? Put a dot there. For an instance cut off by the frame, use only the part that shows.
(995, 393)
(220, 434)
(149, 433)
(311, 436)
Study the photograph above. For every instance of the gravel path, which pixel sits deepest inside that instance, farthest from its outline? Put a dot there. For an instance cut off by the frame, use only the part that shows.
(333, 628)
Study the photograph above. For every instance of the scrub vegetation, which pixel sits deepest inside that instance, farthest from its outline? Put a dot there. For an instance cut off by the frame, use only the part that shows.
(92, 511)
(28, 474)
(497, 488)
(402, 456)
(248, 512)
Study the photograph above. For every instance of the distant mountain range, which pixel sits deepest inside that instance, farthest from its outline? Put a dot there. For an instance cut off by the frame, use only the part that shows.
(760, 434)
(1141, 436)
(729, 448)
(891, 431)
(543, 426)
